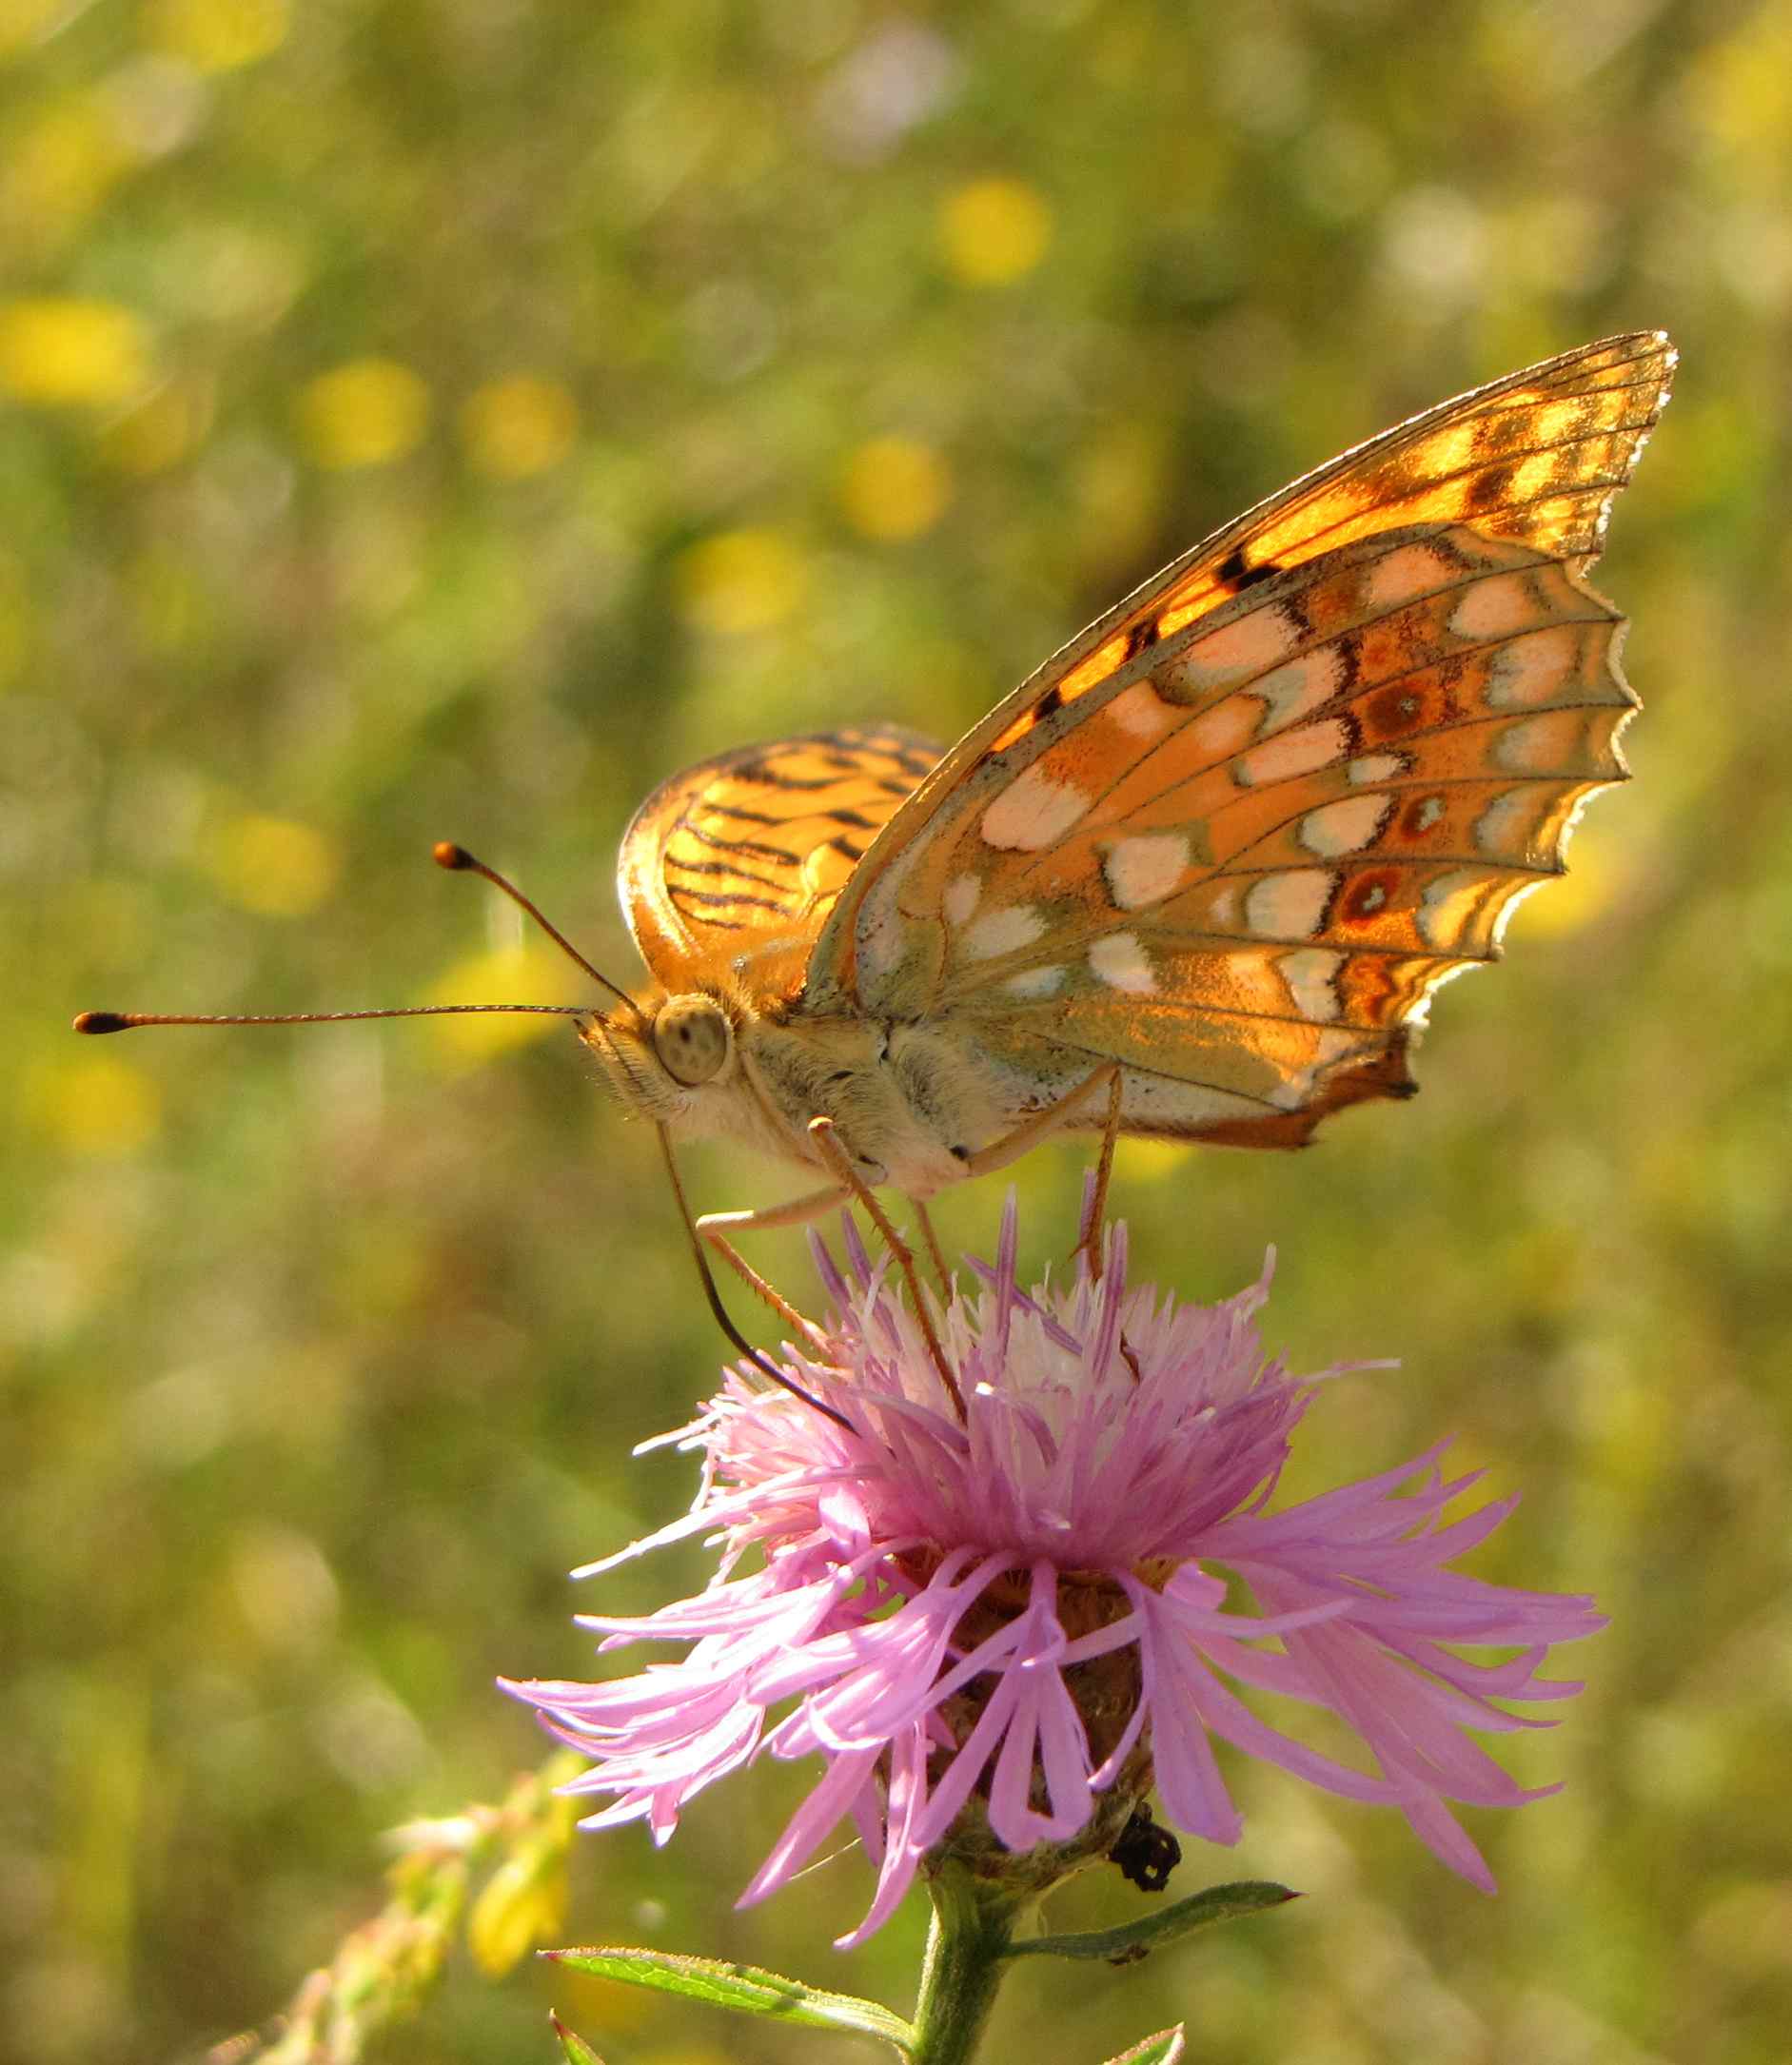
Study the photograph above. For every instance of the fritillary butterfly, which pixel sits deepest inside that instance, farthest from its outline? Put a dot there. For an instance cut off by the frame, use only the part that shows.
(1198, 875)
(1213, 856)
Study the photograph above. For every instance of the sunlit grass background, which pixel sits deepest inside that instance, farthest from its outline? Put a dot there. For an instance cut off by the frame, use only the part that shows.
(446, 418)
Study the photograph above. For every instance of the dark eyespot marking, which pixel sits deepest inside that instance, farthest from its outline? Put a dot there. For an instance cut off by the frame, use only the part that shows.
(1489, 489)
(1048, 704)
(1238, 573)
(1142, 637)
(1366, 893)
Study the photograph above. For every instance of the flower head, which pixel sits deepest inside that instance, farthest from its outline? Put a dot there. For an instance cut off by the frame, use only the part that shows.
(998, 1630)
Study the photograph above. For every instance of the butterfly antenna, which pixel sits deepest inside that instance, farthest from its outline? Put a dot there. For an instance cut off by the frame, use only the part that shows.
(459, 861)
(455, 859)
(128, 1021)
(758, 1357)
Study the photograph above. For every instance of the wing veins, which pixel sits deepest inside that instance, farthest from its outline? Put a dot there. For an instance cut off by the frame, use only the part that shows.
(1401, 860)
(1352, 855)
(757, 848)
(1356, 499)
(1165, 1076)
(730, 868)
(1206, 1010)
(1193, 939)
(1421, 489)
(1337, 706)
(716, 899)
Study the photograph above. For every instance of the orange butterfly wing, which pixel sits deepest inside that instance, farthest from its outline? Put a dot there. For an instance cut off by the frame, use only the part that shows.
(748, 852)
(1236, 833)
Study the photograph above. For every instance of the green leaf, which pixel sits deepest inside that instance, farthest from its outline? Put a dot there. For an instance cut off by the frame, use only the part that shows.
(744, 1988)
(1136, 1939)
(1163, 2049)
(573, 2047)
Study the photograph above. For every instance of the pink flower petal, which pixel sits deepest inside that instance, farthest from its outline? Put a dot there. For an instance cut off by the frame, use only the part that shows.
(1109, 1433)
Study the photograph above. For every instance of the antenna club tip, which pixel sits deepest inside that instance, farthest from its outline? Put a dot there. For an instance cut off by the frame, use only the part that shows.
(445, 854)
(102, 1021)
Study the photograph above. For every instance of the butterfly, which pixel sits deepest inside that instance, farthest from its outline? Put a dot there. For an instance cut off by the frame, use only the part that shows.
(1196, 878)
(1203, 870)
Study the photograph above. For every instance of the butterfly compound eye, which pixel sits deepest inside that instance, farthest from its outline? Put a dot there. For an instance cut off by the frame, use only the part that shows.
(692, 1037)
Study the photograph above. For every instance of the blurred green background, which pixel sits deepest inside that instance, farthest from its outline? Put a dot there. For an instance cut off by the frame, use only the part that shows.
(446, 418)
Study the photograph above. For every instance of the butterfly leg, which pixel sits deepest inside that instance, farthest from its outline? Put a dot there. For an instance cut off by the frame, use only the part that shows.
(1089, 1242)
(935, 1253)
(766, 1292)
(793, 1211)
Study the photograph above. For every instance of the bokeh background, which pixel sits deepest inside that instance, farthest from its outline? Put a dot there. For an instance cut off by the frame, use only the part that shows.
(446, 418)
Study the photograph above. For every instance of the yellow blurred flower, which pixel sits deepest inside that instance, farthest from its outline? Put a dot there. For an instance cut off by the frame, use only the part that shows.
(23, 21)
(215, 35)
(894, 487)
(740, 581)
(365, 413)
(94, 1106)
(519, 425)
(59, 169)
(993, 231)
(60, 351)
(524, 975)
(271, 865)
(1739, 89)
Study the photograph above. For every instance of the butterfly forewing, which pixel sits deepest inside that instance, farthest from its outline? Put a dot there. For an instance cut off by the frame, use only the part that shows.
(1239, 831)
(1535, 457)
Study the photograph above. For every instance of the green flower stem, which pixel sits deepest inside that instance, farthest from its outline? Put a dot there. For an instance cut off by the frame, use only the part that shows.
(965, 1963)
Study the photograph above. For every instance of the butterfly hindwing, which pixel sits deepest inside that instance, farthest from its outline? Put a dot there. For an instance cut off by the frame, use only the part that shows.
(1240, 829)
(754, 847)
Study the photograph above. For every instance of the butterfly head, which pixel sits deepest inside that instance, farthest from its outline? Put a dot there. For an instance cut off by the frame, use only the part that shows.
(662, 1055)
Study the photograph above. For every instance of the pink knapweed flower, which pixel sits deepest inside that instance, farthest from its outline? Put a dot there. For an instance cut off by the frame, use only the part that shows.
(998, 1631)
